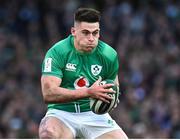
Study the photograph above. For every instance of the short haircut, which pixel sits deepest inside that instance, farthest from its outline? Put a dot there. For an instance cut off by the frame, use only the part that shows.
(87, 15)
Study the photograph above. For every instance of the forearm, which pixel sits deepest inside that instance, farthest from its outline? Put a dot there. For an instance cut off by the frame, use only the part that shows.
(52, 93)
(63, 95)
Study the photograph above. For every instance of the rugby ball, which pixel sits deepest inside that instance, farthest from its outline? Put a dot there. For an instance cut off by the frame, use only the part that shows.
(100, 107)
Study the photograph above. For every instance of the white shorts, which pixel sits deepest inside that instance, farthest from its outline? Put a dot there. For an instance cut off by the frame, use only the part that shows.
(85, 125)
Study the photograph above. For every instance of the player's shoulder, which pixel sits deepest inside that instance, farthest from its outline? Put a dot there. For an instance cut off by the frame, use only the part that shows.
(107, 50)
(63, 46)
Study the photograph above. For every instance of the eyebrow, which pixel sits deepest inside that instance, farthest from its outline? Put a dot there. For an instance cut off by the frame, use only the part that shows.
(90, 31)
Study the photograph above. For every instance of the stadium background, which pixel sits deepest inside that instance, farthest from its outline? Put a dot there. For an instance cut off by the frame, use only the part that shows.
(144, 32)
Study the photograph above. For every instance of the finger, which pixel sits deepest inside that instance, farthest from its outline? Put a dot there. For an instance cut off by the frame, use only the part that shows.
(107, 85)
(99, 80)
(106, 96)
(109, 91)
(104, 100)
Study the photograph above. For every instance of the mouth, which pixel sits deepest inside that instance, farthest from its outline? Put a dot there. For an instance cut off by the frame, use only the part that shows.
(89, 48)
(91, 45)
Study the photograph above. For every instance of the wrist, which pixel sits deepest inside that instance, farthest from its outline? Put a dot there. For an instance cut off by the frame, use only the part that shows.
(87, 92)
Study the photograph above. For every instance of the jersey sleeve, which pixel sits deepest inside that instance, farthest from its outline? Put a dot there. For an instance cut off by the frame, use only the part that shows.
(52, 64)
(114, 68)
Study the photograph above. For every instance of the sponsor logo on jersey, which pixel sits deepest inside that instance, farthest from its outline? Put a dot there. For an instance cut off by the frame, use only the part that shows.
(96, 69)
(70, 67)
(47, 64)
(81, 82)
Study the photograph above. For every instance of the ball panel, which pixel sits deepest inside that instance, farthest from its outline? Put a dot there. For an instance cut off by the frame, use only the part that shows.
(100, 107)
(104, 107)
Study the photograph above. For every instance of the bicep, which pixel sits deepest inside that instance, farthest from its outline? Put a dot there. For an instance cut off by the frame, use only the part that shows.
(48, 82)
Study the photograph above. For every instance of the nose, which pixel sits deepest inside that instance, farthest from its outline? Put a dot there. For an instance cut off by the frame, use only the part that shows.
(91, 38)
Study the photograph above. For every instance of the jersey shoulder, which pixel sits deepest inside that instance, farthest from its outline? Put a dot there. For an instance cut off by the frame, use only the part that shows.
(107, 51)
(62, 47)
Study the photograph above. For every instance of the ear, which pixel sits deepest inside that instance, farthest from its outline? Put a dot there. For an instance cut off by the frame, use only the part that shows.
(73, 31)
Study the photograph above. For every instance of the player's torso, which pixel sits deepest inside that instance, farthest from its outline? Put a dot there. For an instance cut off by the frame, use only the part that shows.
(81, 70)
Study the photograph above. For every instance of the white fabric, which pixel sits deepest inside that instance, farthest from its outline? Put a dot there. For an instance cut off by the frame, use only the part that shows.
(85, 124)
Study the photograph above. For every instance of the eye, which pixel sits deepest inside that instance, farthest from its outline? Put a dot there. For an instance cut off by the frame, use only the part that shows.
(85, 33)
(95, 33)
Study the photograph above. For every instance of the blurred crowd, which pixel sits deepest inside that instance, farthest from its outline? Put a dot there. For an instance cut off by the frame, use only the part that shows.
(145, 34)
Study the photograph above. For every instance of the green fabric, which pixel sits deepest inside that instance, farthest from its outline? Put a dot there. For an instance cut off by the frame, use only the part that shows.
(79, 69)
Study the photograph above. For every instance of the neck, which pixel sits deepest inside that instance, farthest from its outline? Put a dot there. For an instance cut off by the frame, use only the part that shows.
(77, 46)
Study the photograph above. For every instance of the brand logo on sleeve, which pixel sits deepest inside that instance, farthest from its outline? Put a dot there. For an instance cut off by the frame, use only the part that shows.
(70, 67)
(96, 69)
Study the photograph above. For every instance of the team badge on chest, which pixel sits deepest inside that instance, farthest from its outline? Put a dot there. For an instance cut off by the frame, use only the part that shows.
(96, 69)
(81, 82)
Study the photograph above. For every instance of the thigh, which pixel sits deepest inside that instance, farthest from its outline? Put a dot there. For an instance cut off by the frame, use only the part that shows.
(115, 134)
(52, 127)
(100, 126)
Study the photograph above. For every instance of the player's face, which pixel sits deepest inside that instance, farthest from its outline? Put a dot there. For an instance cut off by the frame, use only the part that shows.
(86, 36)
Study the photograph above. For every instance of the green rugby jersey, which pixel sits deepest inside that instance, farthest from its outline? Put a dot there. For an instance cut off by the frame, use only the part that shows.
(79, 70)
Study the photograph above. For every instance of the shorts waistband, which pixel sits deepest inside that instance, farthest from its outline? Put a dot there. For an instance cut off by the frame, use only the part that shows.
(76, 108)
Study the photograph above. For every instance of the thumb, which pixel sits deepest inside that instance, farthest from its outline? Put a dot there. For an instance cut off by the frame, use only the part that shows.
(99, 80)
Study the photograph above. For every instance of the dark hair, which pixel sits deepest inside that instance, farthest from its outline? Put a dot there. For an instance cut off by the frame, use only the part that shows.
(87, 15)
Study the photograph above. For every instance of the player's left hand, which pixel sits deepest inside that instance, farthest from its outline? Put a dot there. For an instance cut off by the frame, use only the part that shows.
(117, 101)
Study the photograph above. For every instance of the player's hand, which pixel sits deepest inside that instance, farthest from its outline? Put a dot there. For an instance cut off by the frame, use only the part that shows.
(117, 101)
(97, 91)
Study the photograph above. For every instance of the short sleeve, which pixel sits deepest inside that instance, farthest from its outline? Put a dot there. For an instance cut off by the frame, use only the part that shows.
(52, 64)
(114, 68)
